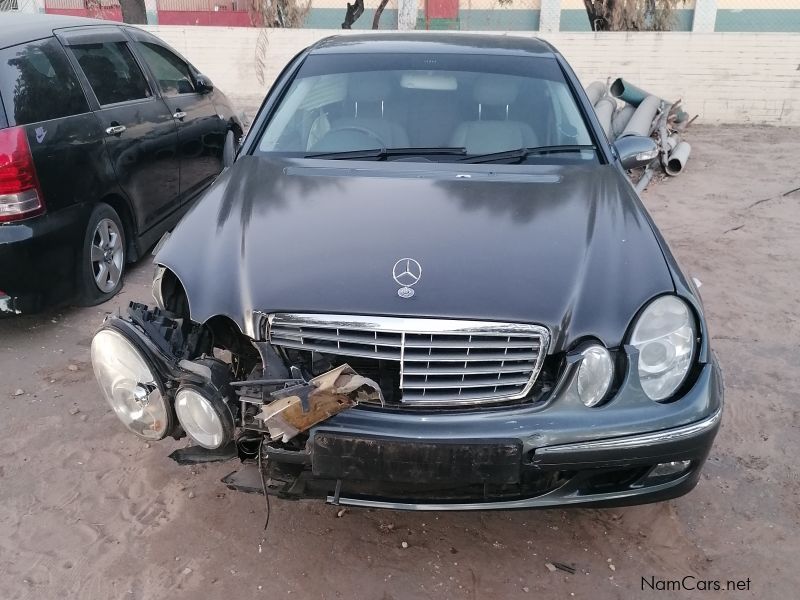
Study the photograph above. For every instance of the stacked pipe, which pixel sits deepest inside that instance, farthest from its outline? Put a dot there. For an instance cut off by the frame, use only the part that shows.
(624, 109)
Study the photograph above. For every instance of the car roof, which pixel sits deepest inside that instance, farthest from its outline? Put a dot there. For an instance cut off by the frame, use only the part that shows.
(438, 42)
(17, 28)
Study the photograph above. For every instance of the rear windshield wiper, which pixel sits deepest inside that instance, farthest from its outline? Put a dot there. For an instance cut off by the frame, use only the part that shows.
(521, 154)
(384, 153)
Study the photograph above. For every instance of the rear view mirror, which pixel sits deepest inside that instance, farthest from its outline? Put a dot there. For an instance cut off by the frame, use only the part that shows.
(635, 151)
(204, 84)
(428, 81)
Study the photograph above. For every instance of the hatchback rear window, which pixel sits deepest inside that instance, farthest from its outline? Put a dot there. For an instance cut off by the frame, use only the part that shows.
(37, 83)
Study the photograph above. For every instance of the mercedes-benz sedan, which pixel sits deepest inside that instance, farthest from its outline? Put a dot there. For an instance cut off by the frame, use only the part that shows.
(425, 282)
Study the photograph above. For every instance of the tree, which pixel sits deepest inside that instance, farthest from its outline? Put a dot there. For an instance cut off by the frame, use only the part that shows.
(354, 10)
(279, 13)
(133, 11)
(376, 20)
(631, 15)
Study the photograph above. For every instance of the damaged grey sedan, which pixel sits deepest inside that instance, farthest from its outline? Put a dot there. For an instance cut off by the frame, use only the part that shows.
(424, 282)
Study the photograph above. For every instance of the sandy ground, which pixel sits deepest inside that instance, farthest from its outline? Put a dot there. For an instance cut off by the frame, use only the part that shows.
(88, 511)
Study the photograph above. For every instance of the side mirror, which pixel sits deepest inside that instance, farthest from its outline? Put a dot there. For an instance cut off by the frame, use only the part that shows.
(635, 151)
(204, 84)
(229, 149)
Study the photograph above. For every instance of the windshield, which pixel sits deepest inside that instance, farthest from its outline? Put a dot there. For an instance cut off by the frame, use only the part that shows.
(444, 107)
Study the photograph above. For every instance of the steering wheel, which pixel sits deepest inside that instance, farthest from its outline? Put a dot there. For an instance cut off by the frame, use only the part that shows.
(364, 130)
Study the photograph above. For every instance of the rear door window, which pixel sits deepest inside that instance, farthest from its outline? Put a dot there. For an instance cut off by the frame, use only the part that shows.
(37, 83)
(112, 71)
(173, 74)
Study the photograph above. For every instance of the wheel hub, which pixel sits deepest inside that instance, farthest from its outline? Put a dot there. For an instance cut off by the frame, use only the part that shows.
(107, 255)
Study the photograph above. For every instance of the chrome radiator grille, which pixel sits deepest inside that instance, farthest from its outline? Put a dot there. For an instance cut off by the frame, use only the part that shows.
(442, 362)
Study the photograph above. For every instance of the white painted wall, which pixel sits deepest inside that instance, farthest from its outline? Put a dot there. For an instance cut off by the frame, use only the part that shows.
(722, 77)
(26, 6)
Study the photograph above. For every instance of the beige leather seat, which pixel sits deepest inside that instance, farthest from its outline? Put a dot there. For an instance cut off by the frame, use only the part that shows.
(493, 131)
(369, 95)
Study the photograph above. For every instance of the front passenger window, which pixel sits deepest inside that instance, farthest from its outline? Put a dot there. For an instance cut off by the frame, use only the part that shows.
(173, 74)
(112, 72)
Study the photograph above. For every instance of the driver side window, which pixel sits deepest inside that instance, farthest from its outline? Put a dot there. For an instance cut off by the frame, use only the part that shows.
(173, 74)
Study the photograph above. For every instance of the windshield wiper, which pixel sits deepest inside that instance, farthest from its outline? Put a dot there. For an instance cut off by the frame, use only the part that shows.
(521, 154)
(385, 153)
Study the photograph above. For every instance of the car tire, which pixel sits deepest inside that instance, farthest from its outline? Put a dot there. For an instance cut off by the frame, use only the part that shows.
(103, 256)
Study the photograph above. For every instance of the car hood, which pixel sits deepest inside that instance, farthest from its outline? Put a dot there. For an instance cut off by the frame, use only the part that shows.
(568, 247)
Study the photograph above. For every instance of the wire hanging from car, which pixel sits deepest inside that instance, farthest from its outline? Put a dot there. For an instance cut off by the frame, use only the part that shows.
(266, 496)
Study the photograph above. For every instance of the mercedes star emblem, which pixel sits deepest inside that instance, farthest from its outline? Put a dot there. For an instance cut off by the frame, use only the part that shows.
(406, 272)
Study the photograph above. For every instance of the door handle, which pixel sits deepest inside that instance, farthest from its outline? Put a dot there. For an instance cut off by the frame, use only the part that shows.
(115, 129)
(179, 114)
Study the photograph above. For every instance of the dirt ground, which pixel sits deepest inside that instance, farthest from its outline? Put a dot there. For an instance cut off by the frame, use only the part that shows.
(89, 511)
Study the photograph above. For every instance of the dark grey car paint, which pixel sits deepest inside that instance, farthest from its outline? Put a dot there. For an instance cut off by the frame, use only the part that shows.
(570, 248)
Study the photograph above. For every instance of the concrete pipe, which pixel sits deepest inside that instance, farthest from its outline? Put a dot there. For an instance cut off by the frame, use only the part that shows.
(628, 92)
(605, 110)
(621, 118)
(633, 95)
(642, 120)
(595, 91)
(677, 159)
(644, 180)
(673, 141)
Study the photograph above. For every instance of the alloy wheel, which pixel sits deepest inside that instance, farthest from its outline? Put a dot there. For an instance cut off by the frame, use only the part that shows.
(107, 255)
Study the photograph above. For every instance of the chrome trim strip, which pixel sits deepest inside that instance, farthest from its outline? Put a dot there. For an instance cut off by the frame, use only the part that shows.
(636, 441)
(556, 497)
(424, 326)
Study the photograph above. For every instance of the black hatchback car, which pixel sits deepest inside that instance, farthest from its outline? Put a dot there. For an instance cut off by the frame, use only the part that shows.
(107, 135)
(426, 283)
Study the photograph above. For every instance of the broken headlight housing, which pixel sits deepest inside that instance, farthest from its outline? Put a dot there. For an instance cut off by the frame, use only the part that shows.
(130, 385)
(664, 335)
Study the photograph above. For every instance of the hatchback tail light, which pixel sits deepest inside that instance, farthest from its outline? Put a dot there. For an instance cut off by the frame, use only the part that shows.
(20, 194)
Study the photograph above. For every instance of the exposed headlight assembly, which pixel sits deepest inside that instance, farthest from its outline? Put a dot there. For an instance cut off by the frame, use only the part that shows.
(204, 416)
(664, 335)
(130, 385)
(595, 374)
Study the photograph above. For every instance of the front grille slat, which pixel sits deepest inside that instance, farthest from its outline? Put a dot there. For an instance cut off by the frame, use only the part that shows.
(467, 345)
(445, 397)
(491, 368)
(449, 355)
(344, 336)
(449, 383)
(364, 351)
(442, 362)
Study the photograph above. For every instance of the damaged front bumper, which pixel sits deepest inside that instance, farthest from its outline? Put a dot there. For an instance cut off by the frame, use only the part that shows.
(314, 438)
(519, 457)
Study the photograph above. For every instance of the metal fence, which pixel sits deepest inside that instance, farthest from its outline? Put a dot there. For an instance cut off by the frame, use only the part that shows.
(757, 15)
(465, 15)
(109, 10)
(231, 13)
(567, 15)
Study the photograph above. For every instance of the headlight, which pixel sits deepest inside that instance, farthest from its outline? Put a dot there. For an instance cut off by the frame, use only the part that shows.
(594, 375)
(664, 335)
(204, 416)
(129, 385)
